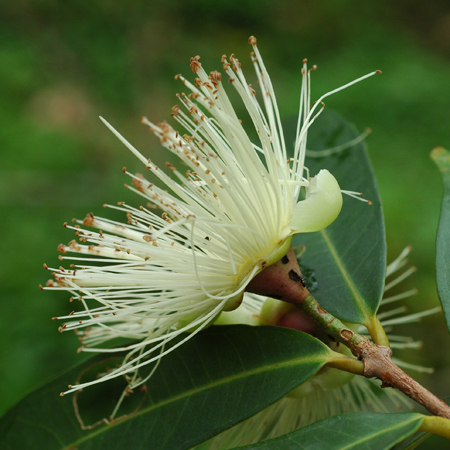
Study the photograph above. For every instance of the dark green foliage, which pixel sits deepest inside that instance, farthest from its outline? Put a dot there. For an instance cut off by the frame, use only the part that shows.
(218, 378)
(442, 159)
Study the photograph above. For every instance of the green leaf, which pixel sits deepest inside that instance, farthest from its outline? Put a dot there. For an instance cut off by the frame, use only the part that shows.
(364, 431)
(442, 159)
(221, 376)
(344, 265)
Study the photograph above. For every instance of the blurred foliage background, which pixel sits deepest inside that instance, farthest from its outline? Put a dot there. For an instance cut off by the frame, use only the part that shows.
(64, 63)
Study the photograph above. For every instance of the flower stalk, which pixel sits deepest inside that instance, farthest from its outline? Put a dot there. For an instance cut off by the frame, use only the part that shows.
(377, 359)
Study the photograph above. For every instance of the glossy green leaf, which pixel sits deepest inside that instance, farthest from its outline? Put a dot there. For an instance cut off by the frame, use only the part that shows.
(218, 378)
(344, 265)
(364, 431)
(442, 159)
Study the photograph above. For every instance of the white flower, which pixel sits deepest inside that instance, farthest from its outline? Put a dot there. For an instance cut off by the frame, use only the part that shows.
(330, 391)
(233, 213)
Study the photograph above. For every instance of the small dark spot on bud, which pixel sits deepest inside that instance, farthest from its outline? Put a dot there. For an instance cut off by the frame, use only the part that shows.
(285, 259)
(294, 276)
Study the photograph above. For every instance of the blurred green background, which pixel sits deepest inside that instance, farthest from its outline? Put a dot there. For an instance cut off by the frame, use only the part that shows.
(64, 63)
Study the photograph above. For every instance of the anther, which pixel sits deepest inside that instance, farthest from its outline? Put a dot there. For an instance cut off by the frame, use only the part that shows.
(88, 220)
(195, 65)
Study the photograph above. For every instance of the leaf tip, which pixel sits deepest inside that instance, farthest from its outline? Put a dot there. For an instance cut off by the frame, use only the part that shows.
(438, 152)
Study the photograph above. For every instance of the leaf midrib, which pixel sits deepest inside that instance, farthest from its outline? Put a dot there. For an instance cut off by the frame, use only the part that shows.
(352, 288)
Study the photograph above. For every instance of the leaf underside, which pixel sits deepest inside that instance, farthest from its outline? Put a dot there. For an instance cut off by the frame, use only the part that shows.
(442, 159)
(364, 431)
